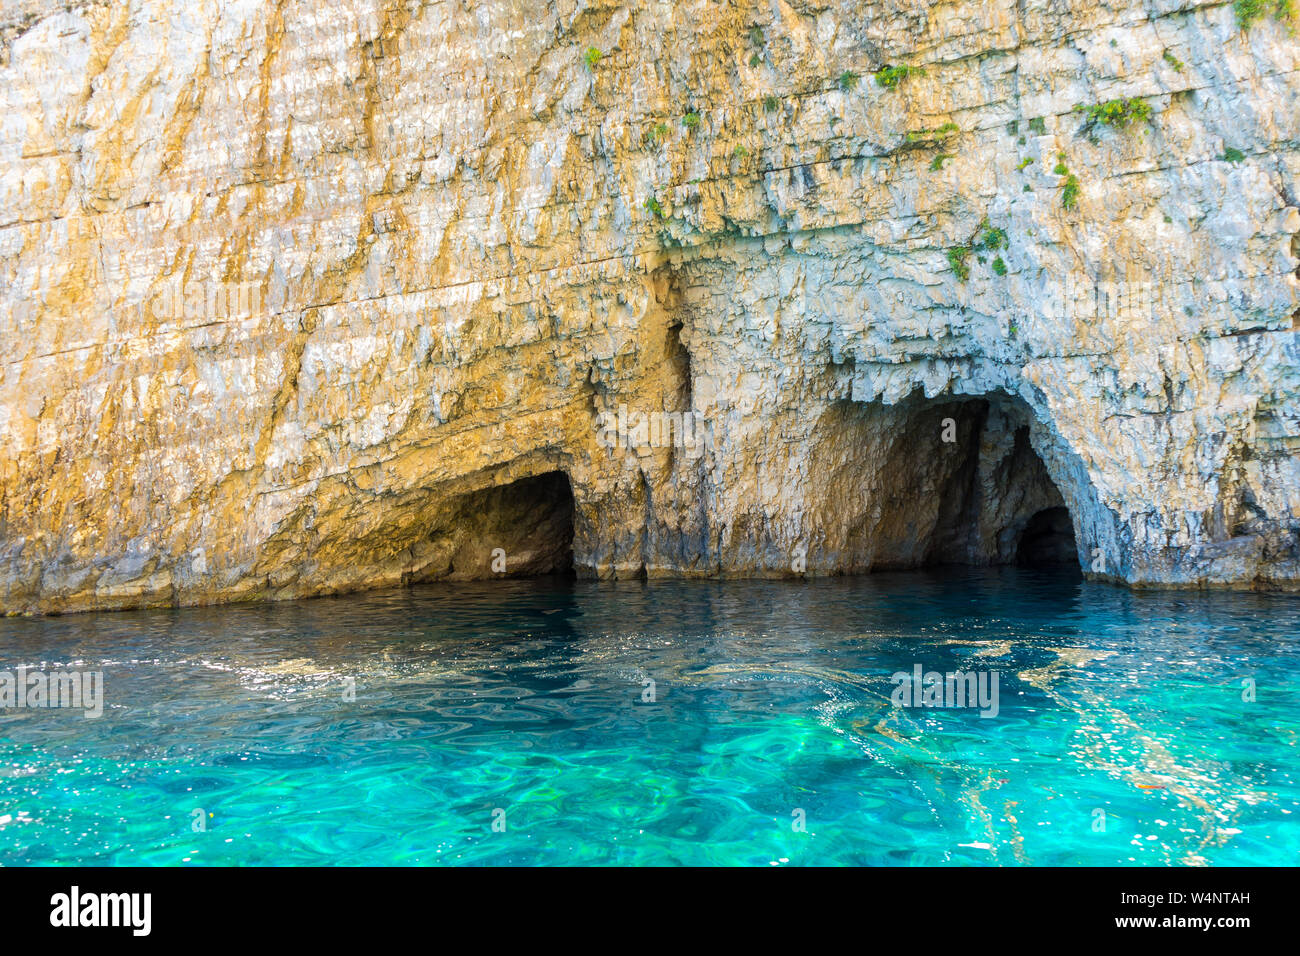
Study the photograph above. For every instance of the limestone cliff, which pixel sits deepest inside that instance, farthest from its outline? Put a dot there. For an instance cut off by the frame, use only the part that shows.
(315, 295)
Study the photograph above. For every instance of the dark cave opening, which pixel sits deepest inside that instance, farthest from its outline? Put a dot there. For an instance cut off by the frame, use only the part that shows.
(1047, 540)
(536, 516)
(951, 480)
(1000, 505)
(520, 529)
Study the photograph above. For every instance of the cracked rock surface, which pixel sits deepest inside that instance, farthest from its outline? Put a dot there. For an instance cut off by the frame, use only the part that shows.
(311, 296)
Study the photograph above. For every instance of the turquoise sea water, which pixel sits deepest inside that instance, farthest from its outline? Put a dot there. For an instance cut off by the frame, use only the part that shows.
(1122, 737)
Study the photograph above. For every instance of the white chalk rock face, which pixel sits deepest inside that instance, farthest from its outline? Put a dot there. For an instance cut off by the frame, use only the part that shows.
(322, 295)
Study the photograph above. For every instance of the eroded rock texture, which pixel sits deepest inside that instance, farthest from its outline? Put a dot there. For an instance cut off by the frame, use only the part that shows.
(287, 288)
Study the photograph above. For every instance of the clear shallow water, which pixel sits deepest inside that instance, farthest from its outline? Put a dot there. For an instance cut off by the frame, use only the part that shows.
(771, 697)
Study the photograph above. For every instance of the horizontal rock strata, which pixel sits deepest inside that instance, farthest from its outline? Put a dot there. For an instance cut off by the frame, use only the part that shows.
(288, 289)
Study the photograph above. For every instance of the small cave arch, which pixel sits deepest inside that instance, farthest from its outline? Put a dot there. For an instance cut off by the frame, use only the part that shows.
(948, 480)
(523, 528)
(1001, 504)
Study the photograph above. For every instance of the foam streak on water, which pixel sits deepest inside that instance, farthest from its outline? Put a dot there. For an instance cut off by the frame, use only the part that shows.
(771, 698)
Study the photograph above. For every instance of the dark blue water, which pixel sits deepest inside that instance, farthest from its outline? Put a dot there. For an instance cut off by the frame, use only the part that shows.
(514, 722)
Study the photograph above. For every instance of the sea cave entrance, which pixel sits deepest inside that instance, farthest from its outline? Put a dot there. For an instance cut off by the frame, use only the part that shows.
(1048, 540)
(940, 481)
(520, 529)
(999, 504)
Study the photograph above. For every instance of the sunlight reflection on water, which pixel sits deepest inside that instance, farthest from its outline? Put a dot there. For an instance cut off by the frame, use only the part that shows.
(769, 698)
